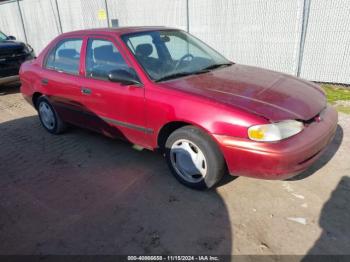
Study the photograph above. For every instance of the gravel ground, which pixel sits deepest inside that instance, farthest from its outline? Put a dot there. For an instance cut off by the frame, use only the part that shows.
(82, 193)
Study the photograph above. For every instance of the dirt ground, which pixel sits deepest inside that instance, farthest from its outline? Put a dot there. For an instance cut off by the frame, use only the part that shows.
(82, 193)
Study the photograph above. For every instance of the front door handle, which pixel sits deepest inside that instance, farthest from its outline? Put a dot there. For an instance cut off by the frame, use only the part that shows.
(44, 81)
(86, 91)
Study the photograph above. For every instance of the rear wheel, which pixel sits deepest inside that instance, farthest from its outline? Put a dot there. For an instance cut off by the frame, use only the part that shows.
(194, 158)
(49, 118)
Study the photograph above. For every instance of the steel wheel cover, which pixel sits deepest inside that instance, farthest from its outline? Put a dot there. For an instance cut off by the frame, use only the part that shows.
(47, 115)
(188, 161)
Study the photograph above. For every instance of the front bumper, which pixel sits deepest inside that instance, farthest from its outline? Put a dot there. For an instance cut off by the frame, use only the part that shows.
(8, 79)
(10, 65)
(283, 159)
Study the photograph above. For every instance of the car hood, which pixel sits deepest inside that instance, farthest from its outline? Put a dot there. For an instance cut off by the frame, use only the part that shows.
(11, 44)
(270, 94)
(8, 46)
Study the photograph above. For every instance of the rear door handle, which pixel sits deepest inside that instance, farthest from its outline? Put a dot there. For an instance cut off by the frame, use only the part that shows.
(44, 81)
(86, 91)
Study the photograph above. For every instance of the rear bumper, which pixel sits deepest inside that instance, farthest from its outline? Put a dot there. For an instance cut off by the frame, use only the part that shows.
(8, 79)
(282, 159)
(28, 98)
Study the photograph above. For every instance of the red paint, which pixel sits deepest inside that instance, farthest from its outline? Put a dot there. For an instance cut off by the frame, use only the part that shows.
(223, 102)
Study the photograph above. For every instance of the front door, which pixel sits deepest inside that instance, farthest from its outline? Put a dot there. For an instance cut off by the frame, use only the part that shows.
(119, 109)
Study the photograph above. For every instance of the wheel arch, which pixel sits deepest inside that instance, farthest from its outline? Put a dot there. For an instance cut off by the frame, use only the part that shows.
(170, 127)
(35, 98)
(167, 129)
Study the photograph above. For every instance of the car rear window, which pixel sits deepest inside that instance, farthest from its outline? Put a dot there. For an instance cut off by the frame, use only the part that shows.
(65, 57)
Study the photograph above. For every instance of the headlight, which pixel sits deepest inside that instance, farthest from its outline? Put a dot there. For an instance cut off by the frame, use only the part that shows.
(275, 131)
(28, 49)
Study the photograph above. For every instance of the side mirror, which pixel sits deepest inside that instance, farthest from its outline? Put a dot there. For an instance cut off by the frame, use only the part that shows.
(11, 37)
(124, 76)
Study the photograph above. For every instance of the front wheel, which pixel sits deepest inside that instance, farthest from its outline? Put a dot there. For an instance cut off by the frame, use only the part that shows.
(194, 158)
(49, 118)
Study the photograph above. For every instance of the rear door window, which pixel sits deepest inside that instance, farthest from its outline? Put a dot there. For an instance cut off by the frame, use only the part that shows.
(65, 57)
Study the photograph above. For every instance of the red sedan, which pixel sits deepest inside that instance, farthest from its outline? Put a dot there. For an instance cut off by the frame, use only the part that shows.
(161, 88)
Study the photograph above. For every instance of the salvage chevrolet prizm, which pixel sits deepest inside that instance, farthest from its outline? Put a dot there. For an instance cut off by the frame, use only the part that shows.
(161, 88)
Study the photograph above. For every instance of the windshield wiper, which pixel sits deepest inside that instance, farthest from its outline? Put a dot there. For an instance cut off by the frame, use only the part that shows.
(216, 66)
(173, 76)
(202, 71)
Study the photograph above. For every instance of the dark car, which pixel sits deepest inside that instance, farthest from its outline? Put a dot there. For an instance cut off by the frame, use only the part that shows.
(12, 54)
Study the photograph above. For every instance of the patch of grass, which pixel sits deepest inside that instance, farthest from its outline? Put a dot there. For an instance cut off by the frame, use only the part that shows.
(343, 109)
(336, 93)
(338, 96)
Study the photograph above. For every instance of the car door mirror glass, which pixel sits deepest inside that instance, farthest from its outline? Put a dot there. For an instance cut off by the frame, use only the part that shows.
(124, 76)
(11, 37)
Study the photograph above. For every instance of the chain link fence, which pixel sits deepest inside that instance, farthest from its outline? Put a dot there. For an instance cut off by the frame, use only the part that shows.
(307, 38)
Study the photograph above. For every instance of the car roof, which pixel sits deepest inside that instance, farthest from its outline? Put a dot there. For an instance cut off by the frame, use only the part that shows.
(119, 30)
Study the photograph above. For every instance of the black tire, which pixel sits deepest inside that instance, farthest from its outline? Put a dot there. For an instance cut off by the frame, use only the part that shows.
(215, 163)
(58, 125)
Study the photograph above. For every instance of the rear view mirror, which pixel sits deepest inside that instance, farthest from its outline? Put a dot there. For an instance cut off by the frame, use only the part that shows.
(165, 38)
(124, 76)
(11, 37)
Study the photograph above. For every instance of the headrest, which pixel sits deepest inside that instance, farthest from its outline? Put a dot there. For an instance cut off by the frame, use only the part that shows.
(144, 50)
(104, 53)
(67, 53)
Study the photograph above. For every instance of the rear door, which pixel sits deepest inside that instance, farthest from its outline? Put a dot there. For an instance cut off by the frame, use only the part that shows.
(121, 107)
(61, 80)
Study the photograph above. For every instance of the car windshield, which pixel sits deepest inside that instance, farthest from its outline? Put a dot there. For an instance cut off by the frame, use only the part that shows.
(169, 54)
(3, 37)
